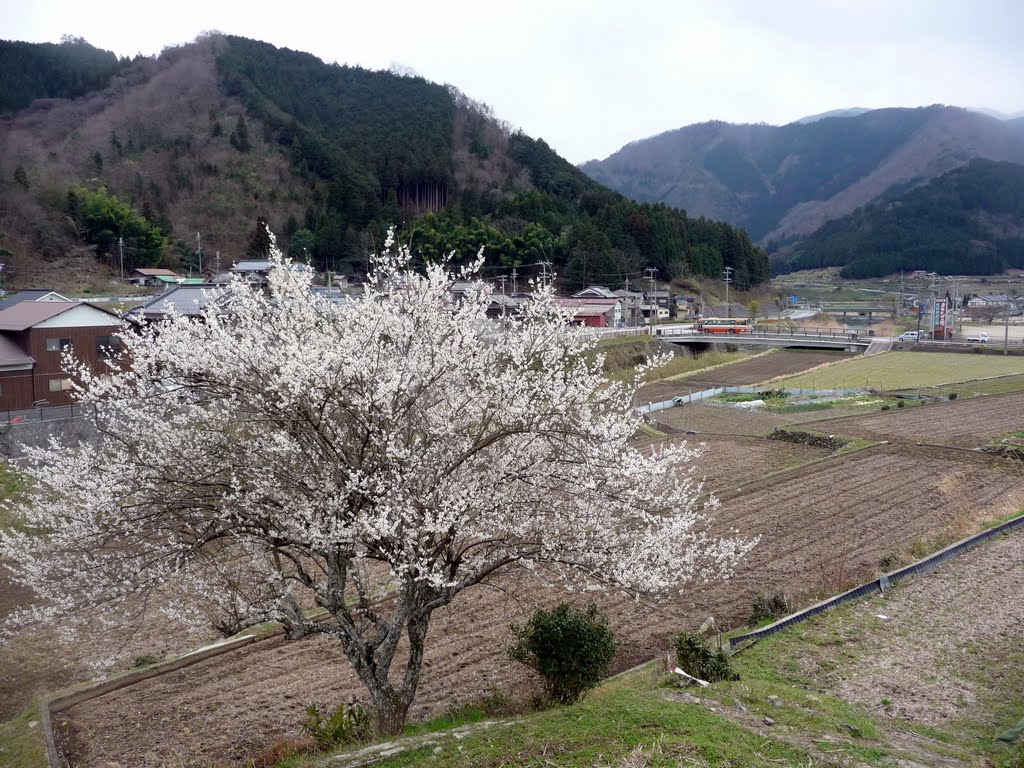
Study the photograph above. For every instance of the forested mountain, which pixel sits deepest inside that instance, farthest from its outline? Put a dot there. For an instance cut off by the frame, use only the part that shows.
(208, 137)
(30, 71)
(783, 182)
(968, 221)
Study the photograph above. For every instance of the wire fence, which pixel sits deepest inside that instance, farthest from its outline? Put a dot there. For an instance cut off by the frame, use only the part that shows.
(882, 582)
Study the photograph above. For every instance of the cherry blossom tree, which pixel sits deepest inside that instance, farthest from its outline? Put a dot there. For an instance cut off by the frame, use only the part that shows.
(370, 459)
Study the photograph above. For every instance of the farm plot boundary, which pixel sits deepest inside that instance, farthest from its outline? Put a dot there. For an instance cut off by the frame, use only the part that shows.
(882, 582)
(60, 702)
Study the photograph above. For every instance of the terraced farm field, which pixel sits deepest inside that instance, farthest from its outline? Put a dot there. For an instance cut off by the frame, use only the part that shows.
(745, 373)
(821, 529)
(966, 423)
(906, 370)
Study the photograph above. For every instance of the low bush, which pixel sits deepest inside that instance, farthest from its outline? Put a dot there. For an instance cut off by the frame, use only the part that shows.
(571, 650)
(346, 725)
(767, 607)
(695, 657)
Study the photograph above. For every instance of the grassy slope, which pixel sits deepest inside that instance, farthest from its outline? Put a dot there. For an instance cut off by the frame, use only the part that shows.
(21, 741)
(904, 370)
(624, 719)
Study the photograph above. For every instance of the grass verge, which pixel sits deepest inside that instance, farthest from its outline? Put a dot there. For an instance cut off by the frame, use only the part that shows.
(627, 719)
(21, 741)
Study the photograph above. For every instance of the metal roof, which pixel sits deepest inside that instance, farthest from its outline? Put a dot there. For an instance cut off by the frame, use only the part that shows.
(32, 294)
(23, 316)
(149, 272)
(186, 299)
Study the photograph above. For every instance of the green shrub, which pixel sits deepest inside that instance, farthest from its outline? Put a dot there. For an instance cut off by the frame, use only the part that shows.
(885, 407)
(953, 395)
(571, 649)
(901, 404)
(695, 657)
(768, 607)
(346, 725)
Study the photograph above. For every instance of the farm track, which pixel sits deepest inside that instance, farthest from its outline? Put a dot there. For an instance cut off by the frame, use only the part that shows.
(966, 423)
(819, 532)
(783, 362)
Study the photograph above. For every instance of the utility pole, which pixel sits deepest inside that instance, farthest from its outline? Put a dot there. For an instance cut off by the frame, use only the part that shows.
(199, 250)
(1006, 326)
(650, 273)
(501, 279)
(728, 279)
(544, 273)
(630, 321)
(120, 250)
(515, 281)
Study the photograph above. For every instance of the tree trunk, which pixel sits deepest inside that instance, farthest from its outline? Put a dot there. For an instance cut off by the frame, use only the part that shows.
(389, 711)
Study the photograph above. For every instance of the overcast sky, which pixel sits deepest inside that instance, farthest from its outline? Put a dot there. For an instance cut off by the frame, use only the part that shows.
(589, 77)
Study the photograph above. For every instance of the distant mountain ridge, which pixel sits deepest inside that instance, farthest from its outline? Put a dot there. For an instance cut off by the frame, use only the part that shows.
(193, 147)
(782, 183)
(968, 221)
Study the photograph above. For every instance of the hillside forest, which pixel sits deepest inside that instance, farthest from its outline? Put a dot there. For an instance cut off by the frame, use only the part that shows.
(967, 221)
(207, 138)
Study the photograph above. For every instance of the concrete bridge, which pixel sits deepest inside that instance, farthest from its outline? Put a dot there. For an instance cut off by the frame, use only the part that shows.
(814, 338)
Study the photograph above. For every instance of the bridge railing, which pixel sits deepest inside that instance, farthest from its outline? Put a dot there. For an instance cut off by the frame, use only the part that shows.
(764, 332)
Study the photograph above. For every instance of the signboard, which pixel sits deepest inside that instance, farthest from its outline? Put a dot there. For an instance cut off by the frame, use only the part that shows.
(939, 317)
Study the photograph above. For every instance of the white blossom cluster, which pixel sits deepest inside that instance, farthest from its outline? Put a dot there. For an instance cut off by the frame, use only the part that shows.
(374, 458)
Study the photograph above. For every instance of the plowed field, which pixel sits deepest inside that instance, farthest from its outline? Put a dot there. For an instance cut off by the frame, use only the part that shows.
(821, 529)
(967, 423)
(749, 372)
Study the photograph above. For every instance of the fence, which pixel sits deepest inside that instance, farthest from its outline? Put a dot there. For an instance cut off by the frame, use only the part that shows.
(883, 582)
(43, 413)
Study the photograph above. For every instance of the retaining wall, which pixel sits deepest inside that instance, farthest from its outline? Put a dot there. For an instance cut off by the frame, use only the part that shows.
(881, 583)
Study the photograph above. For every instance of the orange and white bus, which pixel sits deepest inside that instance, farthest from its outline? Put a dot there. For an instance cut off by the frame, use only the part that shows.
(724, 325)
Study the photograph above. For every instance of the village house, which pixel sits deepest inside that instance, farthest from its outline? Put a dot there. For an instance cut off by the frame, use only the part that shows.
(593, 313)
(153, 276)
(189, 300)
(33, 335)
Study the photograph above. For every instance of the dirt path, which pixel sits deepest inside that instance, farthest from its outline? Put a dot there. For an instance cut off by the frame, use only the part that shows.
(818, 533)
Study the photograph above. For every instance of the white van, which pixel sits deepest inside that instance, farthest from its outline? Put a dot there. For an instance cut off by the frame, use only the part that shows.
(910, 336)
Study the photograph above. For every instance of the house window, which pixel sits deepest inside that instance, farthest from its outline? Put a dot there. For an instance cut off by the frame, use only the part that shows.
(108, 346)
(57, 345)
(60, 385)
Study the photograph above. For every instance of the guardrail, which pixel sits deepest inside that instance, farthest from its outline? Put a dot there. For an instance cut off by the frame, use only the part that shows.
(882, 582)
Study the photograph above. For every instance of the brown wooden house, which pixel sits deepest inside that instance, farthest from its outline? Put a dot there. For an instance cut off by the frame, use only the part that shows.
(33, 335)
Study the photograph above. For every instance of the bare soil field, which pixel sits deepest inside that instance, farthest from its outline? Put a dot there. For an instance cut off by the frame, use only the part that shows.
(821, 529)
(783, 362)
(975, 600)
(36, 660)
(966, 423)
(731, 461)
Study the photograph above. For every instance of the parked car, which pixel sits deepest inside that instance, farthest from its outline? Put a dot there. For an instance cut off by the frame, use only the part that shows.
(910, 336)
(978, 338)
